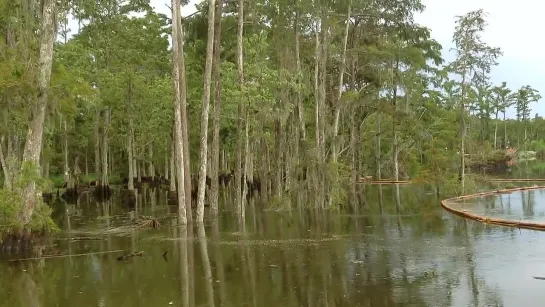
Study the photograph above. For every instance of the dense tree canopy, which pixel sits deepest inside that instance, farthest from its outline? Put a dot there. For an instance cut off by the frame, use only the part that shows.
(304, 95)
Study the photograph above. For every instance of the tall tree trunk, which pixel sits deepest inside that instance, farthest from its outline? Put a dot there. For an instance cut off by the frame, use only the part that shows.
(172, 181)
(300, 107)
(463, 135)
(334, 149)
(97, 144)
(33, 145)
(395, 146)
(130, 185)
(496, 131)
(178, 135)
(5, 168)
(504, 131)
(67, 177)
(205, 111)
(105, 145)
(185, 123)
(321, 127)
(214, 191)
(238, 166)
(377, 147)
(151, 166)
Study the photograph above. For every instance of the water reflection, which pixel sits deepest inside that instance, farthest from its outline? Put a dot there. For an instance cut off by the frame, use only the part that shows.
(516, 206)
(400, 249)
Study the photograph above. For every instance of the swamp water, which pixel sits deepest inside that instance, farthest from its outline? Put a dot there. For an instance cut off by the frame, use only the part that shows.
(392, 253)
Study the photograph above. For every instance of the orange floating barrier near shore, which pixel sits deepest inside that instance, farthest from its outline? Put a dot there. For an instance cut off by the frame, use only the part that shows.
(494, 221)
(516, 180)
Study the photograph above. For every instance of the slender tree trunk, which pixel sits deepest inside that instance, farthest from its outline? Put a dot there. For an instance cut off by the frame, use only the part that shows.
(130, 185)
(105, 129)
(97, 144)
(33, 145)
(178, 135)
(206, 111)
(214, 191)
(334, 149)
(463, 135)
(496, 131)
(151, 166)
(504, 131)
(4, 164)
(321, 127)
(238, 166)
(395, 145)
(377, 146)
(67, 177)
(300, 107)
(172, 180)
(185, 123)
(167, 165)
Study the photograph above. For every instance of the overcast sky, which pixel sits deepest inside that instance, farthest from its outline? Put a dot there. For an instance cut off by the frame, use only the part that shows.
(510, 24)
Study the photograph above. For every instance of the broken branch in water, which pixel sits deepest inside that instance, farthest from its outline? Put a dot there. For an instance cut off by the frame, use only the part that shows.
(64, 256)
(126, 257)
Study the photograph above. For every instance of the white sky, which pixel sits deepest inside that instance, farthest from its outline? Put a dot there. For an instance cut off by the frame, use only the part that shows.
(509, 28)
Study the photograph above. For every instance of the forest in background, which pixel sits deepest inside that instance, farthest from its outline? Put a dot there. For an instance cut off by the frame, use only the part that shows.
(284, 96)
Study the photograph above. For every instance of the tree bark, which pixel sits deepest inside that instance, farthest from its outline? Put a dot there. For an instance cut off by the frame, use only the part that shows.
(334, 150)
(185, 123)
(130, 185)
(172, 181)
(214, 191)
(205, 111)
(97, 144)
(300, 107)
(178, 136)
(240, 70)
(151, 166)
(4, 164)
(105, 129)
(33, 145)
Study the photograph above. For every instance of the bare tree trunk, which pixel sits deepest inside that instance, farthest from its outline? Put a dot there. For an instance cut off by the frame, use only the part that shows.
(334, 150)
(496, 131)
(321, 127)
(130, 185)
(105, 129)
(395, 147)
(151, 166)
(214, 191)
(377, 147)
(504, 131)
(67, 177)
(300, 107)
(205, 111)
(166, 166)
(463, 136)
(172, 180)
(245, 168)
(185, 123)
(97, 144)
(238, 167)
(178, 136)
(4, 164)
(33, 145)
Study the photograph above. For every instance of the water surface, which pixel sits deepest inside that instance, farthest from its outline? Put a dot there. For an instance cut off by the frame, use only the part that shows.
(396, 251)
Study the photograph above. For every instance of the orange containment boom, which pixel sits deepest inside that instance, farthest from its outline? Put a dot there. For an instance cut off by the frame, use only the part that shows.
(495, 221)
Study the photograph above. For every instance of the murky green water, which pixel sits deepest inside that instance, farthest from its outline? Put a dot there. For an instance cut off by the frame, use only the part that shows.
(406, 253)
